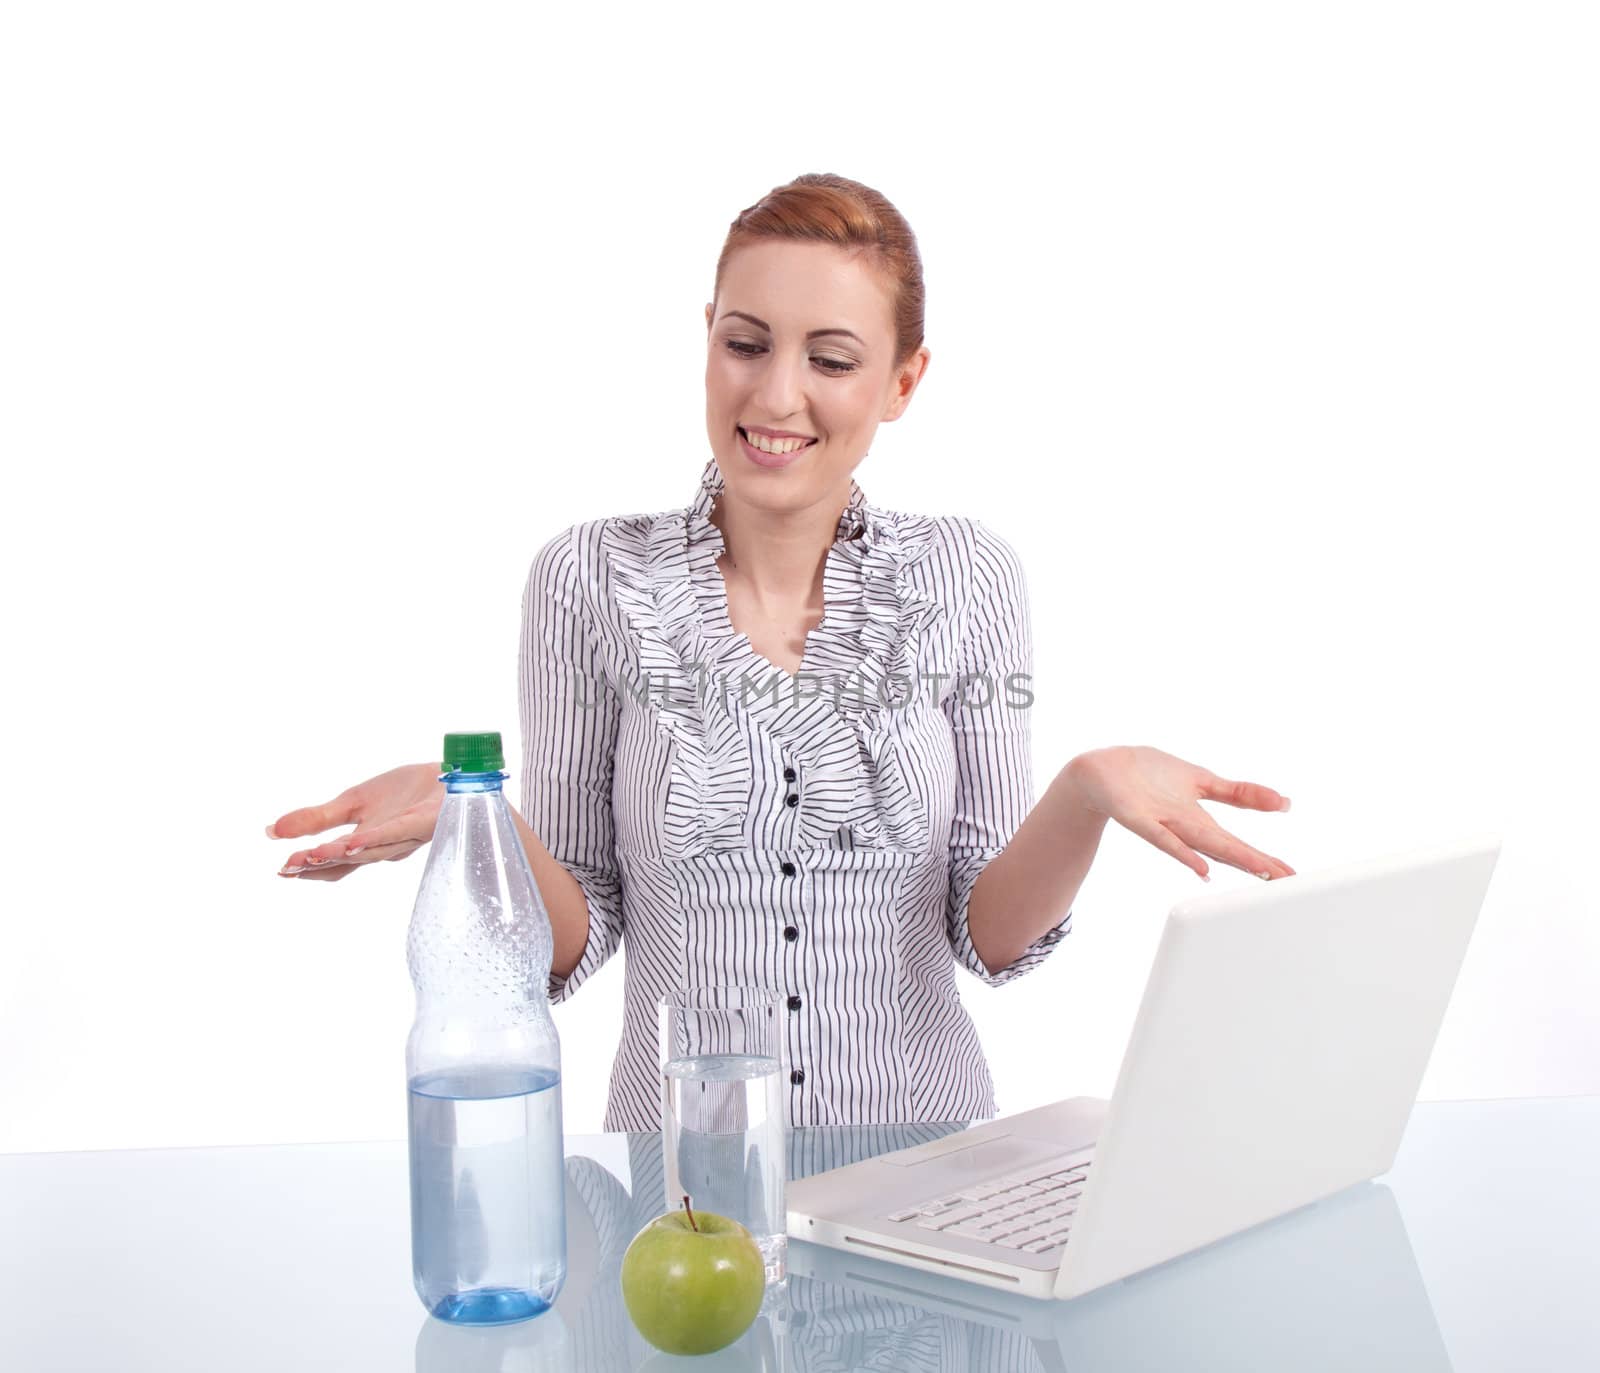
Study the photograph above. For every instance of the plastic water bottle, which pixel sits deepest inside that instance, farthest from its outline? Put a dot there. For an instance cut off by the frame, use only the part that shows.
(483, 1062)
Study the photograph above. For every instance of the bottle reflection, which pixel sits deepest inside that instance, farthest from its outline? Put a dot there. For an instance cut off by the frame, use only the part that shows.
(540, 1345)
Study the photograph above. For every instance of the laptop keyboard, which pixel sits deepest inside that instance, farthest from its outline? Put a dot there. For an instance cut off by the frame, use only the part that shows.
(1030, 1210)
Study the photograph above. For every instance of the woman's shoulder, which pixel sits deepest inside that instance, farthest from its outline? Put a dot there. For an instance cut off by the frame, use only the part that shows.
(620, 571)
(586, 542)
(962, 548)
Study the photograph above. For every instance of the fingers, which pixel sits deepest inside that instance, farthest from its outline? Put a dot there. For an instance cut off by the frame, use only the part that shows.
(1168, 842)
(1251, 795)
(320, 856)
(413, 825)
(1210, 838)
(304, 865)
(409, 829)
(314, 819)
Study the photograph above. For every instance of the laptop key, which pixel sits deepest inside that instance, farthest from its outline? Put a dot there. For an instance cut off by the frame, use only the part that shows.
(950, 1218)
(1038, 1231)
(1038, 1246)
(1015, 1240)
(910, 1213)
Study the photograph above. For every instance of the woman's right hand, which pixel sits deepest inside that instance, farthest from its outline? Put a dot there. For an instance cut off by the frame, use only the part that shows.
(394, 814)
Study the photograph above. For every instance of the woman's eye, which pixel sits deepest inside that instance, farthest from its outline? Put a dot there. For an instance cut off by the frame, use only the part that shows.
(749, 350)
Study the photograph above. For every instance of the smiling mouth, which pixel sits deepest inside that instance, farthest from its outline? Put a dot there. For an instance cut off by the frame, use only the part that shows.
(744, 434)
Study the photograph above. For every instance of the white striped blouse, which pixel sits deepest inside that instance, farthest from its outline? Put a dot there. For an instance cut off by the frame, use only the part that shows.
(816, 834)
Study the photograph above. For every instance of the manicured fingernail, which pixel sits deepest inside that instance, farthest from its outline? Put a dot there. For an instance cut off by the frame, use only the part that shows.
(272, 831)
(1205, 877)
(289, 872)
(317, 862)
(351, 853)
(1264, 876)
(1285, 805)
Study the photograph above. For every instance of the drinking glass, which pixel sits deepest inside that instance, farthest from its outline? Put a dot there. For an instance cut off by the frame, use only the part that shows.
(722, 1110)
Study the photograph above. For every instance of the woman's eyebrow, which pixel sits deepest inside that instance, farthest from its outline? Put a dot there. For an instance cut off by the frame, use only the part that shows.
(815, 333)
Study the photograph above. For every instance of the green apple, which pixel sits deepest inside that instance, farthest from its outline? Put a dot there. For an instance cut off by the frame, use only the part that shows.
(693, 1281)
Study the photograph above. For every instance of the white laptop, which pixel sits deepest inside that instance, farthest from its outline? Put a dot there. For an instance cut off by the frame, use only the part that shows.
(1274, 1061)
(1327, 1289)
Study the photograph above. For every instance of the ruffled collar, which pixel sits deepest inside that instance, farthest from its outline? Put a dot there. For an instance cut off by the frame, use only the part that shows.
(665, 577)
(858, 521)
(868, 613)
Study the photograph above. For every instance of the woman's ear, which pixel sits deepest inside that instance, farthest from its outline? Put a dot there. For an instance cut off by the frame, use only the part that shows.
(906, 381)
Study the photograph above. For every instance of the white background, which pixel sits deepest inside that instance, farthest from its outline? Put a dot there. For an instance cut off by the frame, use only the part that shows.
(1265, 333)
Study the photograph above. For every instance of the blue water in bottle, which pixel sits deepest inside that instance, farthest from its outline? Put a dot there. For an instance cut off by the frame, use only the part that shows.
(486, 1157)
(483, 1063)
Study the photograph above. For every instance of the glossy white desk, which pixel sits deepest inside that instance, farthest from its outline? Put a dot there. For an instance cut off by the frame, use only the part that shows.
(1477, 1252)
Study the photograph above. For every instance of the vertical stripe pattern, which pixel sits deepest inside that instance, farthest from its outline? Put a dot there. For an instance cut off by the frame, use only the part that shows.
(818, 835)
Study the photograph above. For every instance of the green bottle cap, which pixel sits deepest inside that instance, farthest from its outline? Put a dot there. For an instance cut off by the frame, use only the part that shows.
(474, 752)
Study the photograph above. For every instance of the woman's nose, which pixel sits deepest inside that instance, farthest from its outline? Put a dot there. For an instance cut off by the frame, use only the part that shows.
(782, 391)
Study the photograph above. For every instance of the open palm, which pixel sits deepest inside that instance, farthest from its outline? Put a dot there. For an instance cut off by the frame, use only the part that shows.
(1158, 797)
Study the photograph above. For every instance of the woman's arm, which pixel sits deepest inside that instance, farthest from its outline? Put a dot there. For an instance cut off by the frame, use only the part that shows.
(563, 899)
(570, 723)
(1033, 882)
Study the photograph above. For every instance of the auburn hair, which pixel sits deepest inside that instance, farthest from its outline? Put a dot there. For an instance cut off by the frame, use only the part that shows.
(820, 207)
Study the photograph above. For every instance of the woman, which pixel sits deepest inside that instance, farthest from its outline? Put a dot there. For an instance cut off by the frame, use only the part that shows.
(781, 737)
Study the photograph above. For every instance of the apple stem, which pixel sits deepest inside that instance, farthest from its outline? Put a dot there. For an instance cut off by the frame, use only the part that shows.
(692, 1225)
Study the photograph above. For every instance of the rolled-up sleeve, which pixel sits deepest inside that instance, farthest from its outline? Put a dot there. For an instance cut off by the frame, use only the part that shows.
(570, 715)
(990, 712)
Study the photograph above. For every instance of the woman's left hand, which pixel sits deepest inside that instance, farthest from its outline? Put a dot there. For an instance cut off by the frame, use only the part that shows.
(1158, 797)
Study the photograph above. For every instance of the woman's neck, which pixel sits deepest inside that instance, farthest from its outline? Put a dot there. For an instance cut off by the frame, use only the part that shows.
(777, 558)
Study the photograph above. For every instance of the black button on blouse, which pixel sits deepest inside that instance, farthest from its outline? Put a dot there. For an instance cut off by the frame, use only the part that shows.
(634, 594)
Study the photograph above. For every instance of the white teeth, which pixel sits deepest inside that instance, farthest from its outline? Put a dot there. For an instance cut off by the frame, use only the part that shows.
(767, 445)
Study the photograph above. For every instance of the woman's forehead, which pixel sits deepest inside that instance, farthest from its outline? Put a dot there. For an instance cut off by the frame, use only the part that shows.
(795, 285)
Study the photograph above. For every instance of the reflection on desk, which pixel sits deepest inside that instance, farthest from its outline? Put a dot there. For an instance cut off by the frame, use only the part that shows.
(1333, 1286)
(261, 1259)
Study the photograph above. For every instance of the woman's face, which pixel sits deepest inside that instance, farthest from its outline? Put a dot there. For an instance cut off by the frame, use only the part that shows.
(763, 371)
